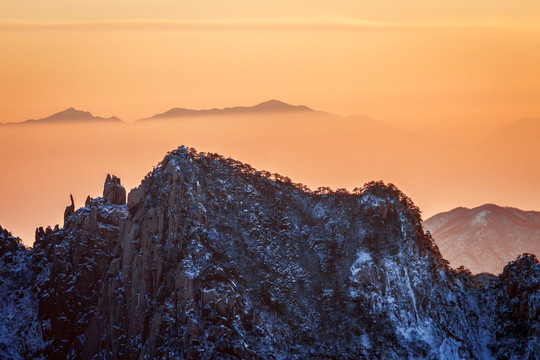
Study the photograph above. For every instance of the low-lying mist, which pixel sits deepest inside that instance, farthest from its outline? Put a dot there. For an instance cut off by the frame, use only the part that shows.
(44, 163)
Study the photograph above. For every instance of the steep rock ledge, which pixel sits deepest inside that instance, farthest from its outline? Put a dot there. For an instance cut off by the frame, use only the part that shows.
(71, 264)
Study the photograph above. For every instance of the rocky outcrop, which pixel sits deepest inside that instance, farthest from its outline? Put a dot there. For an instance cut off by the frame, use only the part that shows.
(72, 263)
(211, 259)
(9, 244)
(70, 209)
(514, 299)
(113, 191)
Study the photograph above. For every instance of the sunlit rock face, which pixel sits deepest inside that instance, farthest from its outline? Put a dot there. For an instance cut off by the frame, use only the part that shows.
(210, 259)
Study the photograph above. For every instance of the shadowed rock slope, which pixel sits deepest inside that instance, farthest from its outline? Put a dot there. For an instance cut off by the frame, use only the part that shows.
(210, 259)
(20, 330)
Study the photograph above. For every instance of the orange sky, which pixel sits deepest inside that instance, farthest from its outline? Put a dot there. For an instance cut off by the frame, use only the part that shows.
(425, 64)
(455, 70)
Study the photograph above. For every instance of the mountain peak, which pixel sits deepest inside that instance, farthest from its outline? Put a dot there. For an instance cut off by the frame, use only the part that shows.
(70, 115)
(277, 105)
(211, 258)
(486, 237)
(271, 107)
(274, 101)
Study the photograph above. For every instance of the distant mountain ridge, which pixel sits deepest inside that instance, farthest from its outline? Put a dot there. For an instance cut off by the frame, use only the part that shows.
(271, 106)
(69, 115)
(485, 238)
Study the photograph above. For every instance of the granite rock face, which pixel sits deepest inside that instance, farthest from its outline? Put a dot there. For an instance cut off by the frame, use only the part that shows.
(514, 299)
(71, 263)
(210, 259)
(113, 191)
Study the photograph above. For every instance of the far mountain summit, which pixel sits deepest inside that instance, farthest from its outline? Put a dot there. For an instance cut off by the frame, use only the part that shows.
(485, 238)
(70, 115)
(270, 106)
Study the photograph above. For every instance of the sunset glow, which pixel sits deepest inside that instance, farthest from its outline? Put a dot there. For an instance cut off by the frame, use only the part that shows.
(454, 79)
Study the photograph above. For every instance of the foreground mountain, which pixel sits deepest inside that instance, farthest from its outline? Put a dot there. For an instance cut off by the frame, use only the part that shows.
(70, 115)
(20, 330)
(210, 259)
(485, 238)
(269, 107)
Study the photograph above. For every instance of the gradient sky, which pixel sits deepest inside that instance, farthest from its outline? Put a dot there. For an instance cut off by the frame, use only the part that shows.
(430, 65)
(455, 70)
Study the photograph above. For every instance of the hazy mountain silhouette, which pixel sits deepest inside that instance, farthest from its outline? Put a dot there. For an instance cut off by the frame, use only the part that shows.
(271, 106)
(281, 141)
(314, 123)
(69, 115)
(485, 238)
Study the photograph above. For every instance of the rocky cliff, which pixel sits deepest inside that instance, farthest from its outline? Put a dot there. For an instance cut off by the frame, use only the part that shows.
(20, 331)
(210, 259)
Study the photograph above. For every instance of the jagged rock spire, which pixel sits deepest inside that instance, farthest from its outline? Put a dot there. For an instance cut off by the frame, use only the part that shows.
(113, 191)
(69, 209)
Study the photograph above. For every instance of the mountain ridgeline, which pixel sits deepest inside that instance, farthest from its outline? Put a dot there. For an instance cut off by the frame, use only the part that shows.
(70, 115)
(211, 259)
(267, 107)
(484, 238)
